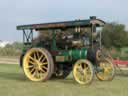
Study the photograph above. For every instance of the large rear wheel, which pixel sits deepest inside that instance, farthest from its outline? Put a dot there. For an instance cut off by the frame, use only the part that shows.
(83, 72)
(38, 64)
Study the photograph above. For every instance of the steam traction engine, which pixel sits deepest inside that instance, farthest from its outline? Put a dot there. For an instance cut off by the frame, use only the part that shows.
(62, 47)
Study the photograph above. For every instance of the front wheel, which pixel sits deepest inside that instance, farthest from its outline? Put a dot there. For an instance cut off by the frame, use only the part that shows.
(83, 72)
(105, 70)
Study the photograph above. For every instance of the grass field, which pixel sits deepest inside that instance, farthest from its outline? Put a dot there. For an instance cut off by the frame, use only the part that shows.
(14, 83)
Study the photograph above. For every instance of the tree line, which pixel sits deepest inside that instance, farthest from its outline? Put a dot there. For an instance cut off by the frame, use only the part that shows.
(114, 35)
(11, 49)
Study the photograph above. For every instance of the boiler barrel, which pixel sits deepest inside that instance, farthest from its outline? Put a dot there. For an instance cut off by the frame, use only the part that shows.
(77, 54)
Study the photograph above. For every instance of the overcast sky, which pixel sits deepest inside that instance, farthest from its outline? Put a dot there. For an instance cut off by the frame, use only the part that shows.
(17, 12)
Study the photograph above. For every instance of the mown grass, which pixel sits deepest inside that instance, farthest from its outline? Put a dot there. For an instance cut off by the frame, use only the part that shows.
(14, 83)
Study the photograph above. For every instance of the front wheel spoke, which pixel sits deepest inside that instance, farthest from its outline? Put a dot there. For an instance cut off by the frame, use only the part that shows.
(82, 78)
(80, 71)
(108, 72)
(102, 64)
(85, 73)
(79, 67)
(87, 78)
(103, 76)
(89, 72)
(85, 66)
(109, 67)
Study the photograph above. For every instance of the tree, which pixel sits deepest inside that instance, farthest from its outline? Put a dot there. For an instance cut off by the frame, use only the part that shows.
(114, 34)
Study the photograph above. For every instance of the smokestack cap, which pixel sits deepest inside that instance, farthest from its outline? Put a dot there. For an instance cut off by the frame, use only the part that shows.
(92, 17)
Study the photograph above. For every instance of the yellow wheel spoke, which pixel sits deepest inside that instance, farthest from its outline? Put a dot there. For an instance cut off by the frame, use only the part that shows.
(38, 74)
(44, 67)
(79, 66)
(103, 77)
(87, 78)
(37, 53)
(40, 57)
(34, 55)
(108, 71)
(30, 66)
(82, 78)
(43, 59)
(42, 70)
(41, 74)
(85, 72)
(102, 65)
(32, 70)
(85, 65)
(32, 58)
(45, 63)
(32, 62)
(34, 73)
(109, 67)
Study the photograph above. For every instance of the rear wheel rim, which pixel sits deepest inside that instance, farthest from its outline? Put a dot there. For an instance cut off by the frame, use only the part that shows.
(36, 64)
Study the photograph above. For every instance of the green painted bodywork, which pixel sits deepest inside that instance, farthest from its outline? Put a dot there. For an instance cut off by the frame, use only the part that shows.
(78, 54)
(54, 47)
(73, 55)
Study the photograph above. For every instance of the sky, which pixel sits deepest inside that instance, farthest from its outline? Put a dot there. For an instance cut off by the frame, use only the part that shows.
(19, 12)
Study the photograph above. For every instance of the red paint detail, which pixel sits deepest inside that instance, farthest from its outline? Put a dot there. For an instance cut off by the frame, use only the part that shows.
(121, 62)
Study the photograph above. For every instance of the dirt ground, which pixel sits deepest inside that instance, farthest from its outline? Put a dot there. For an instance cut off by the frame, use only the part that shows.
(9, 60)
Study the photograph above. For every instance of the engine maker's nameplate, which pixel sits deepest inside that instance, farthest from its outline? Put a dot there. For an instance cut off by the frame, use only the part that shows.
(60, 58)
